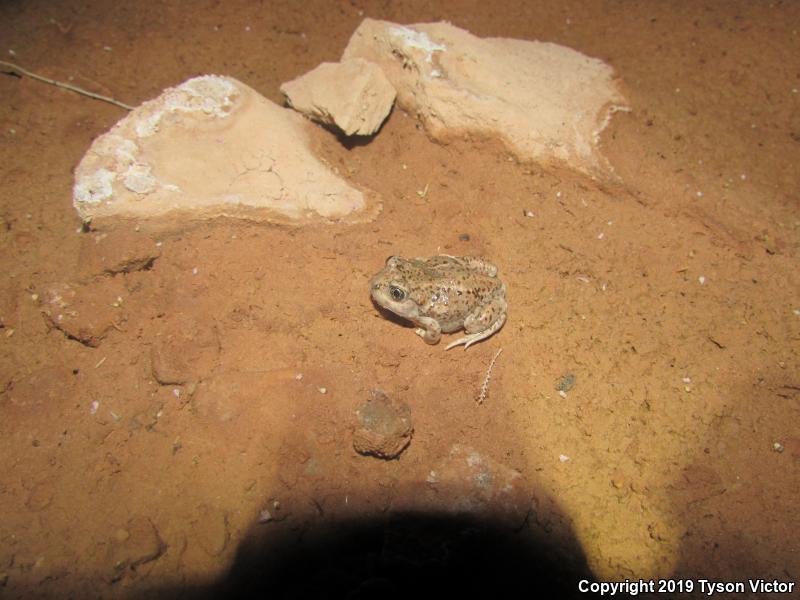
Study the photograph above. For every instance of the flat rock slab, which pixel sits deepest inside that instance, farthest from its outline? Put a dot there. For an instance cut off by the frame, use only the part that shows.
(210, 147)
(353, 95)
(470, 481)
(548, 102)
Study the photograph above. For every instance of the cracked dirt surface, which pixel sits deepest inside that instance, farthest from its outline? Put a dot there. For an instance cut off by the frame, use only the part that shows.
(201, 401)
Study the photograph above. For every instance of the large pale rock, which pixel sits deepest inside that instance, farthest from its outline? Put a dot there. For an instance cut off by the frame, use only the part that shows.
(353, 95)
(547, 101)
(209, 147)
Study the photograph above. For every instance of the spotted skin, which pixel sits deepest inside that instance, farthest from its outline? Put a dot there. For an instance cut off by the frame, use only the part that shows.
(443, 294)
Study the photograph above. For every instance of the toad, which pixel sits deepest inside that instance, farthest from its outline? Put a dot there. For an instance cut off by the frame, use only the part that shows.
(443, 294)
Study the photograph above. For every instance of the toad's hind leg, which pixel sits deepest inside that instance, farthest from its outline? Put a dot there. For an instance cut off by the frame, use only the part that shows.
(483, 323)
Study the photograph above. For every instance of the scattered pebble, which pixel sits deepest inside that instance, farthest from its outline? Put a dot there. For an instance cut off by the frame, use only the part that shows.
(194, 271)
(323, 390)
(93, 407)
(265, 516)
(702, 280)
(699, 194)
(464, 237)
(566, 383)
(562, 393)
(563, 457)
(176, 392)
(528, 213)
(299, 376)
(796, 311)
(687, 380)
(777, 447)
(743, 177)
(601, 235)
(558, 194)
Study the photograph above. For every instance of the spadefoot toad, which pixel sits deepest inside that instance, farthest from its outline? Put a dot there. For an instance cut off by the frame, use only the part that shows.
(443, 294)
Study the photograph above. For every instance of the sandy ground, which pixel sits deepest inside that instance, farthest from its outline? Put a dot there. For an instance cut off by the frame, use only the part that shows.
(142, 464)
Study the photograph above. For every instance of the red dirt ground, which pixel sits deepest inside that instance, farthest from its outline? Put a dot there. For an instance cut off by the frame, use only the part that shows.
(141, 463)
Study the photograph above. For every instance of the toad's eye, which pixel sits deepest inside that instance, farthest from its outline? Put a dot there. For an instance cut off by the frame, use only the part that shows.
(396, 293)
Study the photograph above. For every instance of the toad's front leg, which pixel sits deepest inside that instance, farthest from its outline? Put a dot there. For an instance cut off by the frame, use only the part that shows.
(429, 329)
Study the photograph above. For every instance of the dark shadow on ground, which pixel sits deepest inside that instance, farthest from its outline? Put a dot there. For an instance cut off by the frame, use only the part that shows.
(399, 556)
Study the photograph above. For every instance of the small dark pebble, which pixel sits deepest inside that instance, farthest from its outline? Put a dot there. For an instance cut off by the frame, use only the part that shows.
(566, 383)
(464, 237)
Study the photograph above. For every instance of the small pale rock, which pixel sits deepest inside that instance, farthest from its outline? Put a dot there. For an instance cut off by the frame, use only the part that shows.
(354, 95)
(209, 147)
(385, 427)
(548, 102)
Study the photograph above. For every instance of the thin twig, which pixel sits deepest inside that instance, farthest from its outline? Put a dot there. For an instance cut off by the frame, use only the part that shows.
(485, 386)
(73, 88)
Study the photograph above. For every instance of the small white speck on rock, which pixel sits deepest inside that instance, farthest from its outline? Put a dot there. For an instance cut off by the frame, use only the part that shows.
(265, 516)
